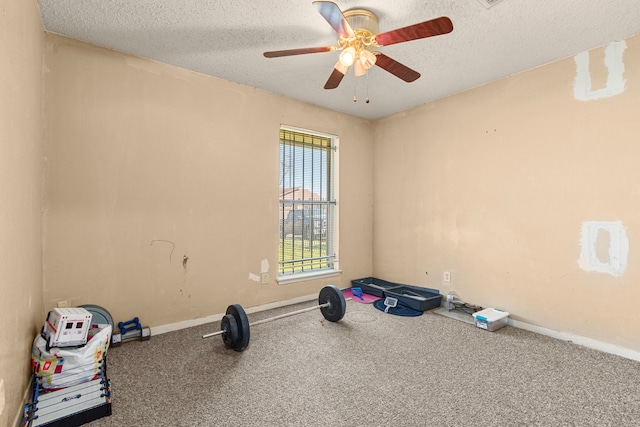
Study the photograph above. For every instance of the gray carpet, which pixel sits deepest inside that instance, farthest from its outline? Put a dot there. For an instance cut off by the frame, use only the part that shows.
(370, 369)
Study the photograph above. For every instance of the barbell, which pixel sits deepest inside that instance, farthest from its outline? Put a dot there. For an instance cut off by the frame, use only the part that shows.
(235, 326)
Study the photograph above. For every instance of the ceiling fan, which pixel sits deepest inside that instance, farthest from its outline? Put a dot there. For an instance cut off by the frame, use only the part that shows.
(359, 40)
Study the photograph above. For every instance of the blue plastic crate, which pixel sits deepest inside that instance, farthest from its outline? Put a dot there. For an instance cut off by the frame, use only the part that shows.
(415, 297)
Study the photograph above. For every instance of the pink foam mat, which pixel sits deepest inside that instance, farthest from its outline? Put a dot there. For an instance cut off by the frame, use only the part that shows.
(366, 298)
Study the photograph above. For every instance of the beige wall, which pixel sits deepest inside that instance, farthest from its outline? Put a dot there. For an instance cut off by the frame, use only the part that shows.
(21, 312)
(494, 185)
(147, 163)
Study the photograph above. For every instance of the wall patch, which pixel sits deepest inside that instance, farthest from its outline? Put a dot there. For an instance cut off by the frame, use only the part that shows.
(264, 268)
(604, 247)
(615, 82)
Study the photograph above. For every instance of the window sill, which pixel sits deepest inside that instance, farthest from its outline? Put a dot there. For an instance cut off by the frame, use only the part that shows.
(301, 277)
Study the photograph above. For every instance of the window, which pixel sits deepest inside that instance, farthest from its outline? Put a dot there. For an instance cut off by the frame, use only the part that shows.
(307, 202)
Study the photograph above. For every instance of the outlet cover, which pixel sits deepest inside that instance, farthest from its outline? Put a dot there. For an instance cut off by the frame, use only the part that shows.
(264, 278)
(447, 277)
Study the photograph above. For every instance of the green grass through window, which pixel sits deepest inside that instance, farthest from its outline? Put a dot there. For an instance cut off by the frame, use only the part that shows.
(298, 248)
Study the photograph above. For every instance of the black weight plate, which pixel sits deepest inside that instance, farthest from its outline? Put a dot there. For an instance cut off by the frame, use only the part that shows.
(338, 306)
(242, 321)
(229, 325)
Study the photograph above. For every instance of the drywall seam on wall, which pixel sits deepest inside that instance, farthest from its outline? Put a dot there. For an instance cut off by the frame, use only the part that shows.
(615, 82)
(618, 247)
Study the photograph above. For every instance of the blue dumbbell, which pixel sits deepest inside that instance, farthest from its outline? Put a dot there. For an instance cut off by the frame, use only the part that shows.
(124, 328)
(129, 331)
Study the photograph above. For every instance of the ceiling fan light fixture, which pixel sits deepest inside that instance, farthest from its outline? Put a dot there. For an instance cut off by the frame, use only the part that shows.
(359, 39)
(362, 19)
(367, 58)
(341, 67)
(347, 56)
(359, 69)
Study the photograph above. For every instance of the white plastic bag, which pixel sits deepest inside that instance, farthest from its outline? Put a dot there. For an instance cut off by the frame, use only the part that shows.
(64, 367)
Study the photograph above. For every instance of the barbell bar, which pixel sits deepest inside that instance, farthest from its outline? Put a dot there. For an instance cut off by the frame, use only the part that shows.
(267, 320)
(235, 326)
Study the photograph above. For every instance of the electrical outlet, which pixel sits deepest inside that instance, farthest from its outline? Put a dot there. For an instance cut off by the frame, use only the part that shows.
(63, 304)
(447, 277)
(264, 278)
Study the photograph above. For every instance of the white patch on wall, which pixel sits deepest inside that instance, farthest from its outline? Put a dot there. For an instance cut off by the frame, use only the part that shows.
(615, 82)
(593, 254)
(264, 268)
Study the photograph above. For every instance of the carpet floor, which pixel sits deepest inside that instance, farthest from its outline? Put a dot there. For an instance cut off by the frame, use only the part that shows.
(370, 369)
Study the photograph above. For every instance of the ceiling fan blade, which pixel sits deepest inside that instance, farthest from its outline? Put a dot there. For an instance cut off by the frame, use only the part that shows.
(397, 69)
(434, 27)
(332, 13)
(334, 79)
(304, 50)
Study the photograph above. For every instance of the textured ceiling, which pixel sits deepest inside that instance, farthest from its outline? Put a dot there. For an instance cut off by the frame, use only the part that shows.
(226, 39)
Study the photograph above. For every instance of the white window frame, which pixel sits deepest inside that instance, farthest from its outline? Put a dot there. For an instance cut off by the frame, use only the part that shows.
(286, 278)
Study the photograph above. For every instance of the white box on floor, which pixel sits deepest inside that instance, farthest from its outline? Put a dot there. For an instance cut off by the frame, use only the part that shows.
(491, 319)
(67, 327)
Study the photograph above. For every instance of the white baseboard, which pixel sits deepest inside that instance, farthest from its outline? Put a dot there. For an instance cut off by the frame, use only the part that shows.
(214, 318)
(564, 336)
(26, 398)
(578, 339)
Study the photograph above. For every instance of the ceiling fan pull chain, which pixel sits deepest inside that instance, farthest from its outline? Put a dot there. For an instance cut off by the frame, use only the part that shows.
(367, 98)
